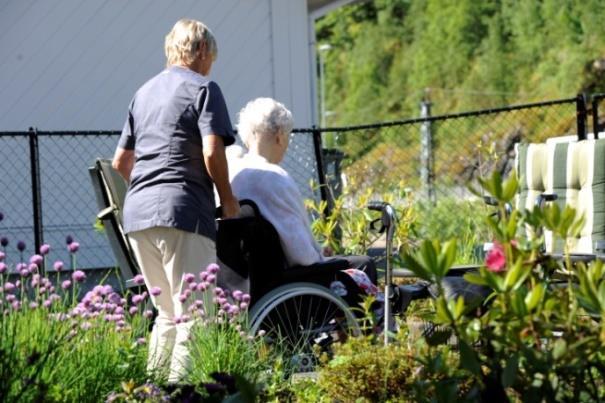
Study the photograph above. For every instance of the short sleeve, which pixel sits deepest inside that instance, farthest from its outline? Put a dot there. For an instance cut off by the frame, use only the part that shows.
(127, 138)
(213, 114)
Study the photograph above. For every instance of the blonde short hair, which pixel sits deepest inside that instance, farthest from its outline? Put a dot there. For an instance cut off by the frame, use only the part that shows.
(261, 118)
(184, 41)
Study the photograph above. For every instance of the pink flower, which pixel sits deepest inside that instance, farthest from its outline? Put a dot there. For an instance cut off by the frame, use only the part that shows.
(496, 260)
(133, 310)
(211, 278)
(155, 291)
(3, 267)
(8, 287)
(137, 299)
(36, 259)
(148, 314)
(212, 268)
(73, 247)
(58, 265)
(189, 278)
(78, 275)
(44, 249)
(2, 256)
(138, 279)
(237, 295)
(66, 284)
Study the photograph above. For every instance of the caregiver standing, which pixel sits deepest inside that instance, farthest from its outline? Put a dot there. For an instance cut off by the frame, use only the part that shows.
(171, 151)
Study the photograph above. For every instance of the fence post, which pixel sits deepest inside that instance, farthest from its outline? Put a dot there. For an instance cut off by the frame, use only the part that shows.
(595, 116)
(321, 172)
(581, 115)
(426, 153)
(36, 190)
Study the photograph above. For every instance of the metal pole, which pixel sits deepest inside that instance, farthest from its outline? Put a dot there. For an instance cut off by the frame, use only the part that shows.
(595, 116)
(36, 190)
(321, 173)
(322, 86)
(426, 156)
(581, 114)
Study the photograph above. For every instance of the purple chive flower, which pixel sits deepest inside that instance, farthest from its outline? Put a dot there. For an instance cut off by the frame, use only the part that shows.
(16, 305)
(73, 247)
(33, 305)
(203, 275)
(246, 298)
(58, 265)
(4, 241)
(47, 303)
(35, 280)
(78, 276)
(133, 310)
(2, 256)
(155, 291)
(137, 299)
(237, 295)
(189, 278)
(69, 239)
(3, 267)
(138, 279)
(106, 290)
(212, 268)
(18, 283)
(141, 341)
(44, 249)
(183, 298)
(203, 286)
(193, 286)
(211, 278)
(36, 259)
(21, 246)
(24, 273)
(32, 268)
(66, 284)
(243, 305)
(148, 314)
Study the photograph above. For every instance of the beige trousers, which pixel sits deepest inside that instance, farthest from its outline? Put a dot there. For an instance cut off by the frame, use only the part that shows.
(165, 255)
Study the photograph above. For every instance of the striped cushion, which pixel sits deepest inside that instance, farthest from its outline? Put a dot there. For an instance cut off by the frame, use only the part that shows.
(575, 172)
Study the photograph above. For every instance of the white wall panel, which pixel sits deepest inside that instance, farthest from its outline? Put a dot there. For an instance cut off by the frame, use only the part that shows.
(74, 64)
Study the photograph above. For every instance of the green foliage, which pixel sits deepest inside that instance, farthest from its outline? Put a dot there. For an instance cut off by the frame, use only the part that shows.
(45, 359)
(541, 336)
(473, 55)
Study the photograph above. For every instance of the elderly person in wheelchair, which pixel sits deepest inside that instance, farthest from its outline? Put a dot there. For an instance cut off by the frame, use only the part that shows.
(264, 127)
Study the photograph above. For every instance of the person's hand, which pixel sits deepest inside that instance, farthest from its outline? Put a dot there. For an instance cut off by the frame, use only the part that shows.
(230, 207)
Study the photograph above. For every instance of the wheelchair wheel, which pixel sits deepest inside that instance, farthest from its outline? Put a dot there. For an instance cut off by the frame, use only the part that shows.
(304, 320)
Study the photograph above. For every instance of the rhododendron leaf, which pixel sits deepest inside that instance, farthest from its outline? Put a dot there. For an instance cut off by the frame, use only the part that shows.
(534, 297)
(510, 371)
(443, 313)
(458, 307)
(510, 188)
(468, 358)
(418, 269)
(493, 280)
(559, 349)
(517, 275)
(511, 226)
(447, 256)
(428, 257)
(518, 304)
(474, 278)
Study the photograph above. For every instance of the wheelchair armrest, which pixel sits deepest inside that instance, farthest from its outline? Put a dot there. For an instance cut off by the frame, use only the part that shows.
(327, 268)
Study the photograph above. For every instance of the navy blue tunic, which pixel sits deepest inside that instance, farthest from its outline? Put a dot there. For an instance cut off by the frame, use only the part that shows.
(169, 184)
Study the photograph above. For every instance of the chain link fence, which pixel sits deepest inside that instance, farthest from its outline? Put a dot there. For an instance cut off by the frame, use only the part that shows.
(46, 193)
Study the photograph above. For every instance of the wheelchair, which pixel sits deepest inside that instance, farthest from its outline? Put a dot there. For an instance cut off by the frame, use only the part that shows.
(292, 307)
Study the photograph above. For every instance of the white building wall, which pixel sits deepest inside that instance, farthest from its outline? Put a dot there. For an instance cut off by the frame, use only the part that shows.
(75, 64)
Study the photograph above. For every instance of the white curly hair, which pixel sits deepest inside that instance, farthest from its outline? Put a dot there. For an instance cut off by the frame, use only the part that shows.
(263, 117)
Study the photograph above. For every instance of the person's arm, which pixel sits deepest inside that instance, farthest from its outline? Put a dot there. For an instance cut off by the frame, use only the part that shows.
(123, 162)
(216, 164)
